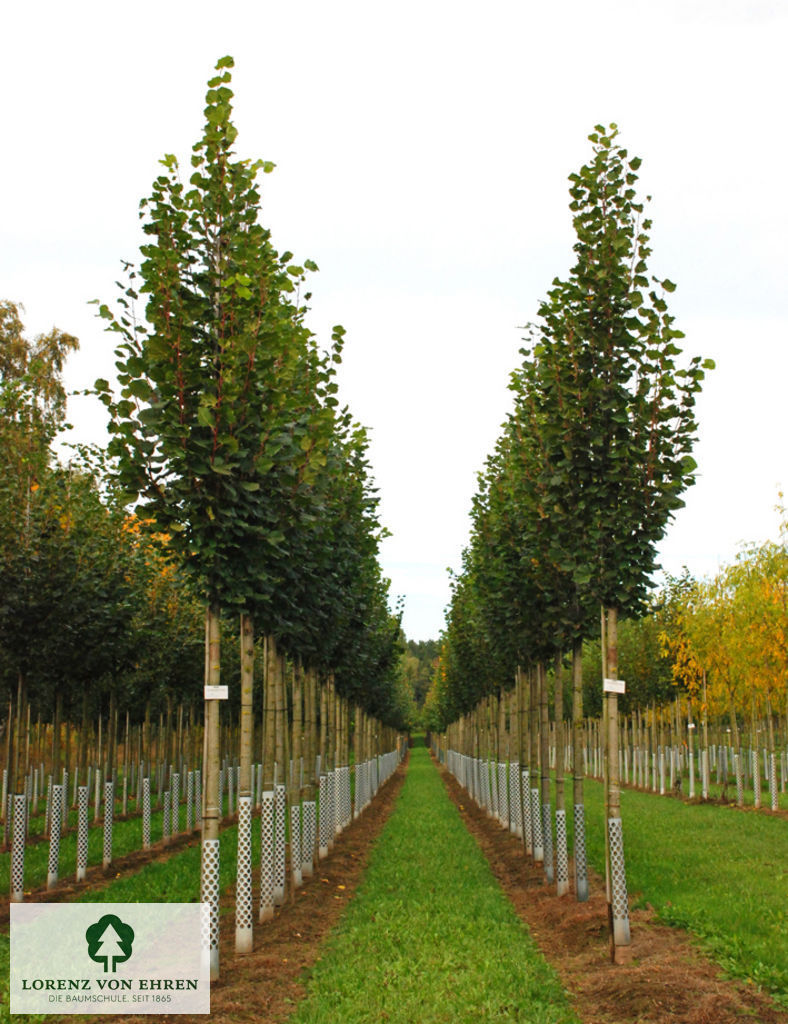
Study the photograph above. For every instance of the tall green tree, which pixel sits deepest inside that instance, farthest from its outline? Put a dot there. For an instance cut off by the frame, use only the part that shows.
(219, 413)
(616, 412)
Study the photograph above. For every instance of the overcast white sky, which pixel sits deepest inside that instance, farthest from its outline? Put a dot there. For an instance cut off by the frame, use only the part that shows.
(422, 153)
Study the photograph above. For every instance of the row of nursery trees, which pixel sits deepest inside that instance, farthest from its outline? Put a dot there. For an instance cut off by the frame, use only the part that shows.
(249, 484)
(706, 667)
(586, 475)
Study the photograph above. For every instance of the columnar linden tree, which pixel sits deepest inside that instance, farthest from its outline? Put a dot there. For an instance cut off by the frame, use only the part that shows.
(618, 421)
(211, 415)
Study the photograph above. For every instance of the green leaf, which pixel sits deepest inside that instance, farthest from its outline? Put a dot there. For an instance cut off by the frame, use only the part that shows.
(205, 416)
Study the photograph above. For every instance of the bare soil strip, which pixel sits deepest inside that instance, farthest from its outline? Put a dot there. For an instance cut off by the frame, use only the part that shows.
(668, 981)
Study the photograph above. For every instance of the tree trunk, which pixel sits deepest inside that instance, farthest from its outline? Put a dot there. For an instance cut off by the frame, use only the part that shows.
(56, 739)
(619, 909)
(243, 895)
(581, 874)
(562, 874)
(269, 717)
(16, 785)
(211, 811)
(544, 759)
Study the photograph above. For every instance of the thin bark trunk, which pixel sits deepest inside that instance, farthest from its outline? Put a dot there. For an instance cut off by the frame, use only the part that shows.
(269, 716)
(21, 695)
(247, 717)
(619, 912)
(559, 734)
(211, 810)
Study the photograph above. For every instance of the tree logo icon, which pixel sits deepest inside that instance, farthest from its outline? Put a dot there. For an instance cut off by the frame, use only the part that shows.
(109, 941)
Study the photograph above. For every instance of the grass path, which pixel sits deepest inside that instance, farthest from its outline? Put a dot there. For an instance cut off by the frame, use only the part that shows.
(430, 936)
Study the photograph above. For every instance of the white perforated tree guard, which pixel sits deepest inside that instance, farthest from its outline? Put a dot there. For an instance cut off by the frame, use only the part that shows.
(308, 847)
(198, 798)
(19, 831)
(503, 796)
(618, 883)
(146, 813)
(330, 808)
(82, 832)
(279, 847)
(561, 855)
(547, 843)
(738, 769)
(773, 781)
(515, 799)
(54, 836)
(536, 826)
(528, 828)
(28, 801)
(336, 800)
(210, 894)
(323, 816)
(243, 885)
(581, 864)
(366, 784)
(295, 845)
(175, 803)
(109, 808)
(165, 817)
(493, 790)
(190, 802)
(267, 856)
(692, 775)
(359, 801)
(347, 805)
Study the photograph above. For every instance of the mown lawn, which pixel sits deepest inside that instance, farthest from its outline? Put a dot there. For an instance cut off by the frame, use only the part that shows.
(719, 872)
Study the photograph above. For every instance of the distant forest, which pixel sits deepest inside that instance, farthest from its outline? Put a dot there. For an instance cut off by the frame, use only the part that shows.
(418, 667)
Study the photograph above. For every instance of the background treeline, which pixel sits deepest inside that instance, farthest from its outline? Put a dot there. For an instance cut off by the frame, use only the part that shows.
(96, 607)
(720, 644)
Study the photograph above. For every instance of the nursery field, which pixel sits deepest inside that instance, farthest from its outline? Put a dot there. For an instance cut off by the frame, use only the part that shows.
(429, 910)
